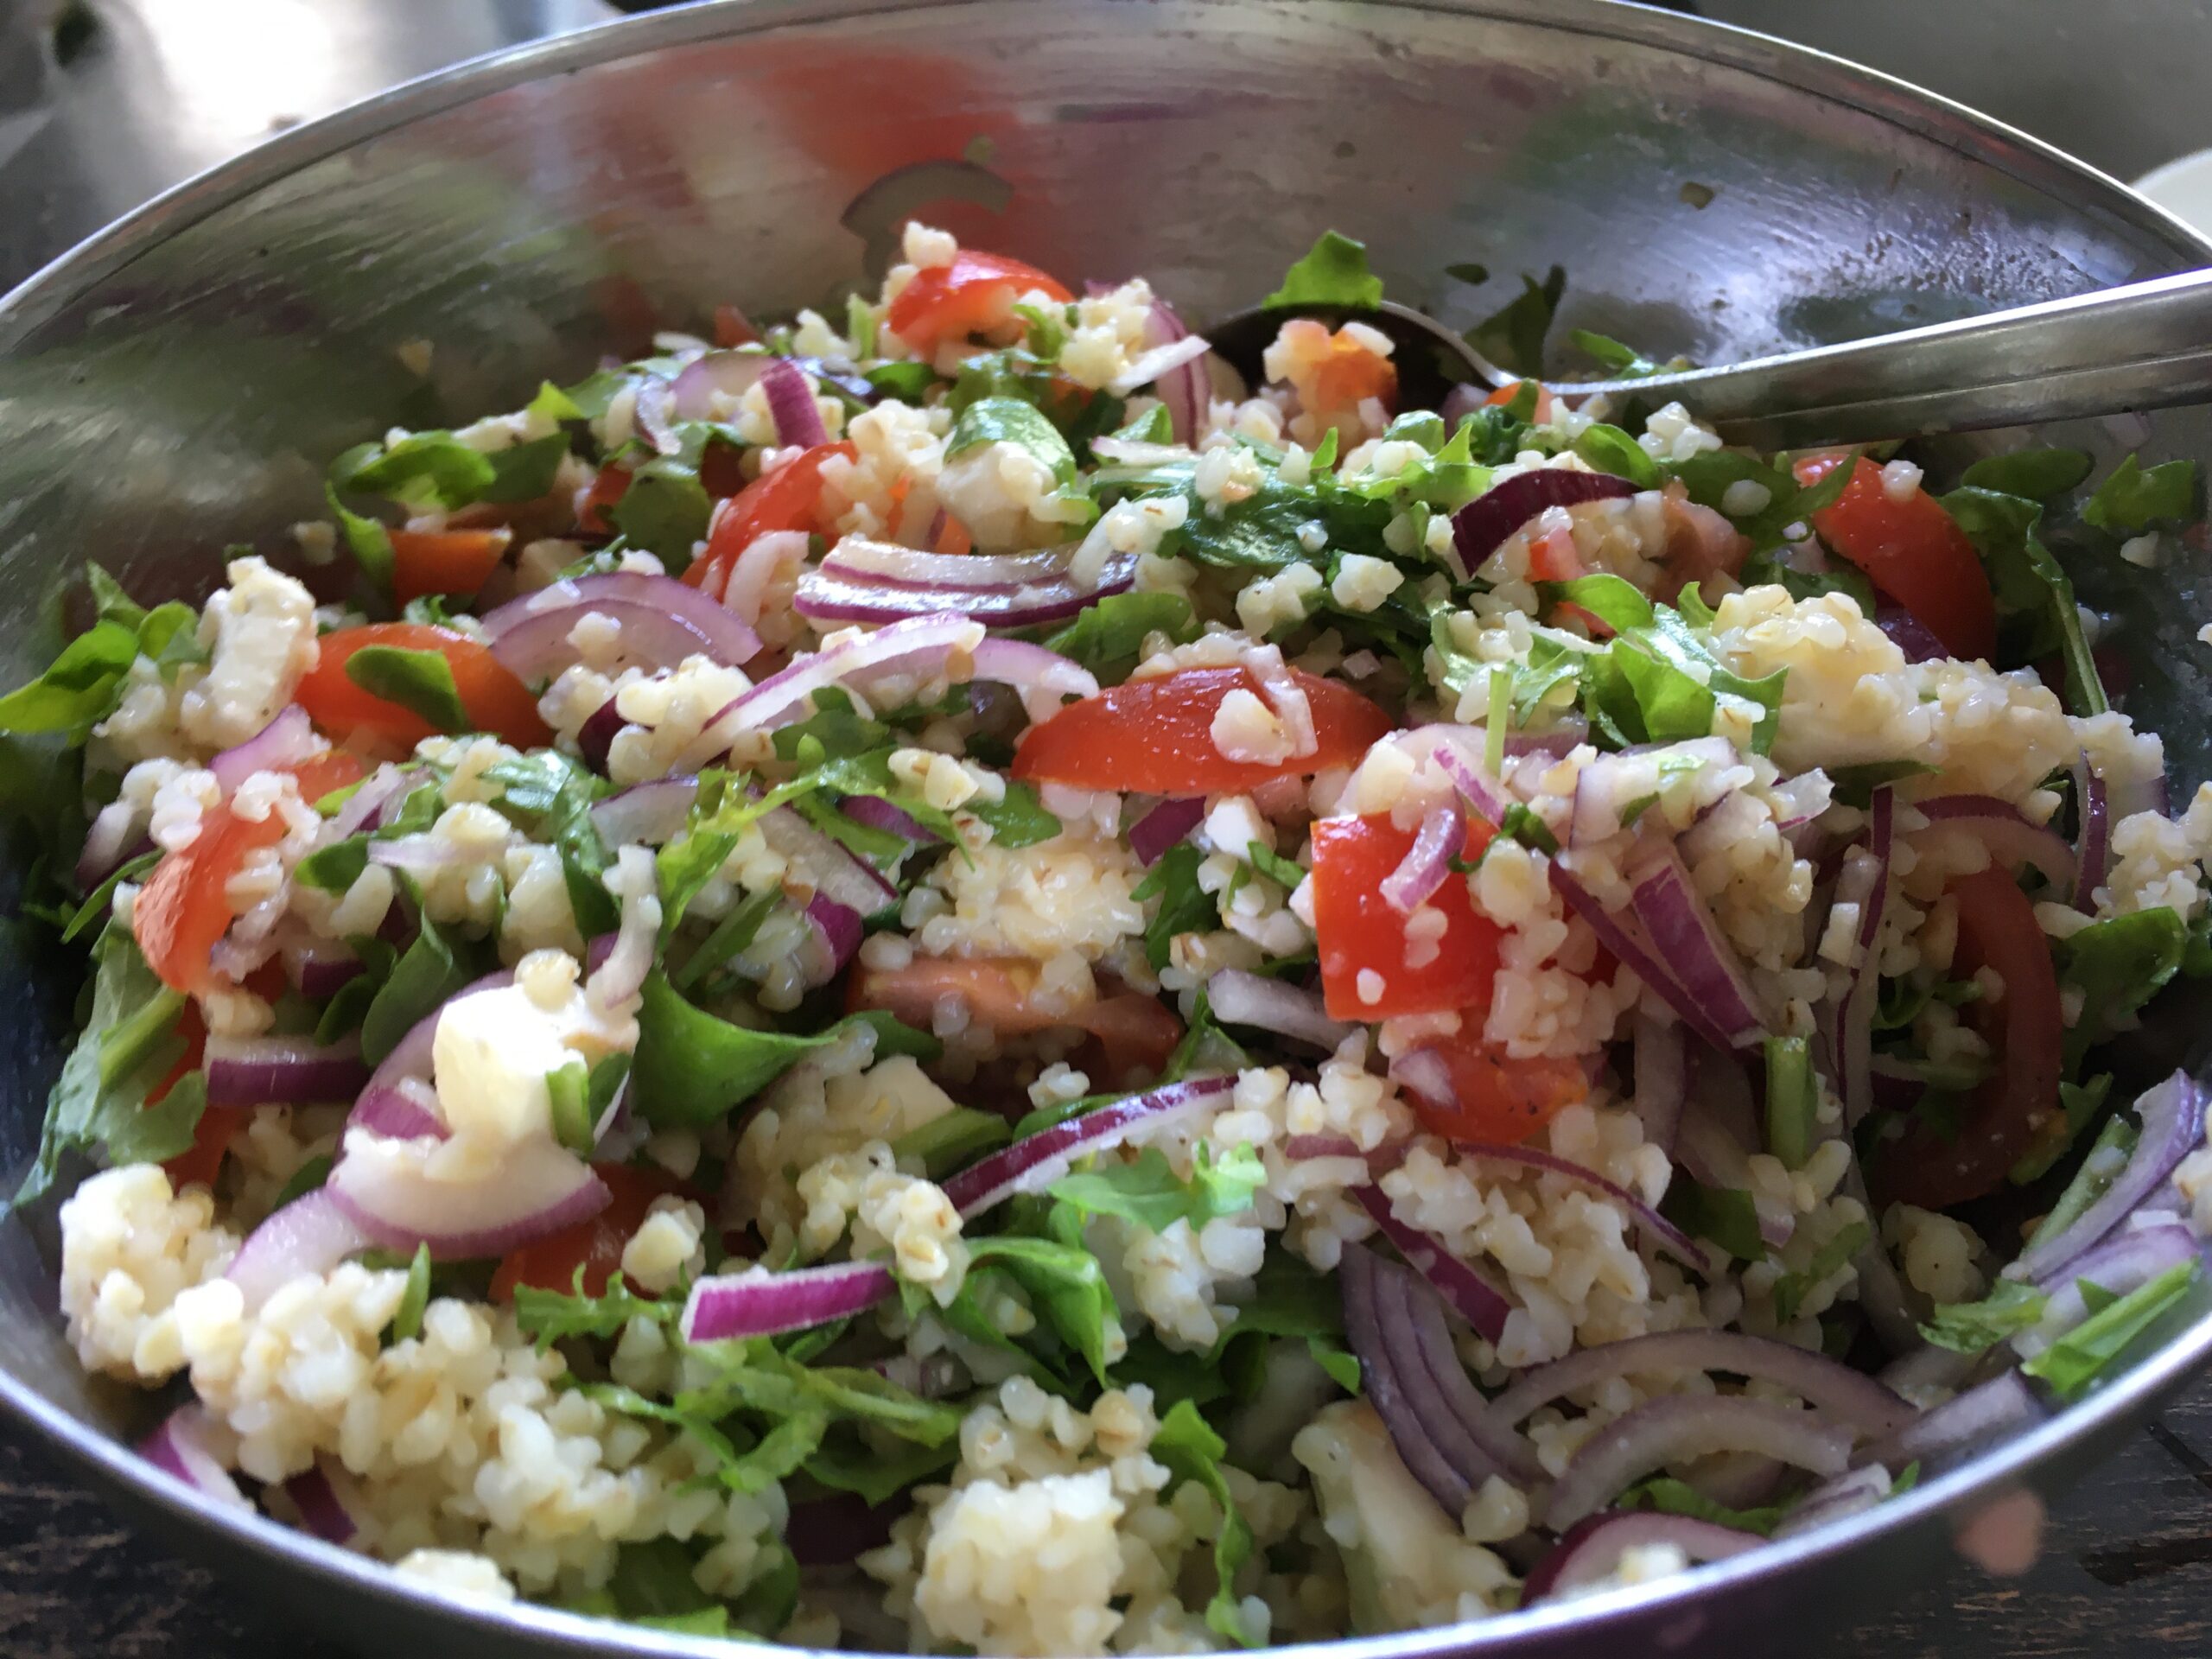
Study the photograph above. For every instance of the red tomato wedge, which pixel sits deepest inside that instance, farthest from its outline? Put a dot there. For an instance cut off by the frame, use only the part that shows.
(493, 699)
(1359, 932)
(1912, 551)
(608, 488)
(1136, 1032)
(1496, 1097)
(551, 1264)
(2025, 1030)
(971, 294)
(789, 498)
(200, 1162)
(452, 561)
(1156, 736)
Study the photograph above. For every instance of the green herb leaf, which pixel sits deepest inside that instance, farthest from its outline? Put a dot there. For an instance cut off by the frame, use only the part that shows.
(2037, 614)
(1017, 820)
(953, 1140)
(420, 682)
(407, 1318)
(1108, 636)
(1791, 1288)
(1722, 1214)
(432, 968)
(1974, 1327)
(1009, 420)
(427, 472)
(2080, 1356)
(1612, 600)
(2037, 473)
(1792, 1100)
(1513, 337)
(2106, 1156)
(336, 867)
(1334, 272)
(552, 1316)
(1612, 450)
(2134, 498)
(79, 689)
(1149, 1193)
(1622, 362)
(1185, 908)
(1671, 1497)
(1192, 1451)
(665, 510)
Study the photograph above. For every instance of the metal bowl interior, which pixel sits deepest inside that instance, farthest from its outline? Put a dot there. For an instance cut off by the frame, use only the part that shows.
(176, 385)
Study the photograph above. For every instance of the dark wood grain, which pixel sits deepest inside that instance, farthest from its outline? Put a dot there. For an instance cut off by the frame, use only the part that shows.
(2126, 1566)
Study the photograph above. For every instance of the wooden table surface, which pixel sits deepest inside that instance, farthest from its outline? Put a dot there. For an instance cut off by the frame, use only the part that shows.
(2127, 1568)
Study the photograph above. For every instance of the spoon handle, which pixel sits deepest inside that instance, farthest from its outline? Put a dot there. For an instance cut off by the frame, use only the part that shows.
(2145, 345)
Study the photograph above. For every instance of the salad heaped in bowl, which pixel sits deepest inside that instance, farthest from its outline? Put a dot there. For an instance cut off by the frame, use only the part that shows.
(948, 982)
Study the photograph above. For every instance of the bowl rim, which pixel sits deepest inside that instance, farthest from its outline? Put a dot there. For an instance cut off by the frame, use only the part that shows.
(1959, 1494)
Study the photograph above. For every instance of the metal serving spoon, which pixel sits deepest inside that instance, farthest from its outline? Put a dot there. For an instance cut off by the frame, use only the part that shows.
(2143, 345)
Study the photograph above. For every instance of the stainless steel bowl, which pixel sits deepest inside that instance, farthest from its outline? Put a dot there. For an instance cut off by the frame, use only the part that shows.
(176, 383)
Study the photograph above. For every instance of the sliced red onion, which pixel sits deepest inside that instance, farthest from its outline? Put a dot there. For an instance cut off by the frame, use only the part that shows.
(537, 1188)
(939, 642)
(1679, 923)
(887, 564)
(321, 1497)
(2010, 839)
(1567, 730)
(417, 854)
(1660, 1064)
(1421, 1338)
(760, 565)
(1838, 1390)
(1131, 452)
(110, 844)
(597, 735)
(179, 1447)
(729, 373)
(838, 927)
(1881, 1291)
(2150, 795)
(1410, 1412)
(1677, 1427)
(1946, 1434)
(1678, 1243)
(1801, 799)
(304, 1240)
(1604, 787)
(363, 808)
(406, 1110)
(727, 639)
(1470, 1295)
(320, 967)
(831, 868)
(1719, 1124)
(1852, 1492)
(1157, 363)
(2093, 850)
(2172, 1116)
(1034, 1162)
(1590, 1551)
(622, 973)
(791, 405)
(825, 595)
(1427, 862)
(1238, 998)
(282, 1070)
(284, 742)
(1186, 391)
(757, 1303)
(1169, 823)
(1044, 678)
(2131, 1258)
(874, 812)
(1908, 633)
(1380, 1162)
(538, 649)
(411, 1055)
(653, 410)
(647, 815)
(1865, 882)
(1488, 522)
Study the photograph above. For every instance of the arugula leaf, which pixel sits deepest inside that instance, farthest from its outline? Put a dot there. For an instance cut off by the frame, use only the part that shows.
(103, 1098)
(1722, 1214)
(690, 1068)
(2077, 1358)
(1009, 420)
(909, 383)
(1108, 636)
(1709, 475)
(1149, 1193)
(407, 1318)
(2100, 1166)
(420, 682)
(1192, 1451)
(1333, 272)
(1262, 532)
(1155, 425)
(1612, 600)
(665, 510)
(552, 1316)
(369, 542)
(525, 470)
(836, 725)
(1612, 450)
(653, 1581)
(952, 1140)
(1513, 337)
(2036, 615)
(305, 1179)
(1185, 908)
(1660, 683)
(101, 898)
(2037, 473)
(1855, 786)
(1018, 819)
(79, 689)
(1286, 873)
(2079, 1106)
(427, 472)
(550, 796)
(1769, 568)
(1622, 362)
(1792, 1099)
(1671, 1497)
(1791, 1288)
(433, 968)
(732, 935)
(1065, 1281)
(2118, 965)
(876, 1475)
(2134, 498)
(335, 868)
(1976, 1327)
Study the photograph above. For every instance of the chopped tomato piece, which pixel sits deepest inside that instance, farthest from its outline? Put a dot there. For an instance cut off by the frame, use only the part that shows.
(1374, 965)
(492, 698)
(1506, 394)
(721, 471)
(952, 537)
(451, 561)
(1137, 1033)
(1157, 735)
(976, 291)
(734, 327)
(607, 487)
(1913, 551)
(789, 498)
(180, 912)
(551, 1264)
(1348, 376)
(1494, 1097)
(200, 1162)
(1997, 929)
